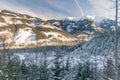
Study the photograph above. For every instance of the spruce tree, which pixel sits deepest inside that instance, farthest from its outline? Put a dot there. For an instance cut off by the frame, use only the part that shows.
(84, 72)
(44, 71)
(109, 69)
(57, 69)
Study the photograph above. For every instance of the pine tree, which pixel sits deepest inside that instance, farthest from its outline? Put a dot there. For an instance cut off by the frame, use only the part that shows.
(67, 67)
(44, 71)
(79, 72)
(109, 69)
(13, 69)
(24, 70)
(57, 69)
(6, 64)
(84, 72)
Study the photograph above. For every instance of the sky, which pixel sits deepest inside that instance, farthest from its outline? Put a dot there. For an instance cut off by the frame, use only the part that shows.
(59, 9)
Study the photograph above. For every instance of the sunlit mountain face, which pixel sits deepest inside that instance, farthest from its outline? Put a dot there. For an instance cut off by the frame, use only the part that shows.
(25, 31)
(45, 23)
(58, 9)
(54, 23)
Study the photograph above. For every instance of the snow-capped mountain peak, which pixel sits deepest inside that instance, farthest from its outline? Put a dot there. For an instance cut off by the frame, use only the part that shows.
(91, 17)
(26, 30)
(71, 18)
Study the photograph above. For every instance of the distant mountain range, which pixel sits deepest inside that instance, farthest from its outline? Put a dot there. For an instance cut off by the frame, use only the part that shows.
(21, 30)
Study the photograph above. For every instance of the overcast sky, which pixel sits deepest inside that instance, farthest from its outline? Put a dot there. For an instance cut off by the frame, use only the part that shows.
(58, 9)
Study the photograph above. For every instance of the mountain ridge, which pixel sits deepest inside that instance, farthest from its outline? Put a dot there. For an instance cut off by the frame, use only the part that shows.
(28, 31)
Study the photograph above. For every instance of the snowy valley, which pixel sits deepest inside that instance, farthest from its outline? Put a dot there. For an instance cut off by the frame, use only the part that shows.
(58, 42)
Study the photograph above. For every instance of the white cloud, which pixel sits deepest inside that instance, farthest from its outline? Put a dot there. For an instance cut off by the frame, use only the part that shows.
(102, 8)
(67, 7)
(16, 7)
(41, 11)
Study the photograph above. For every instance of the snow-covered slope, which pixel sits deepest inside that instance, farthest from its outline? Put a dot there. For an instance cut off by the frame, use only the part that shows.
(28, 31)
(25, 37)
(84, 40)
(84, 25)
(96, 50)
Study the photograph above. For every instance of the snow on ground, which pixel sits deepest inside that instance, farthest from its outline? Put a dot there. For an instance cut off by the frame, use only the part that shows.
(18, 22)
(2, 24)
(71, 26)
(22, 57)
(85, 37)
(71, 18)
(91, 17)
(48, 26)
(88, 32)
(54, 34)
(82, 57)
(9, 20)
(98, 60)
(56, 25)
(25, 36)
(3, 32)
(30, 24)
(59, 36)
(69, 29)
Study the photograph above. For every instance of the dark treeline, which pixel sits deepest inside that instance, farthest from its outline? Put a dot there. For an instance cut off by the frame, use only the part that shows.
(61, 67)
(46, 48)
(13, 68)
